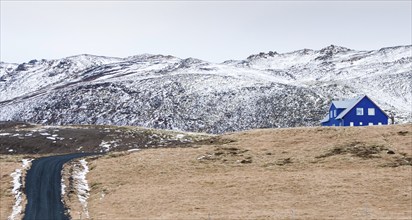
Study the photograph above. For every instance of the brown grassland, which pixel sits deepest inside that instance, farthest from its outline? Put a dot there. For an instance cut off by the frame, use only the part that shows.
(303, 173)
(8, 164)
(292, 173)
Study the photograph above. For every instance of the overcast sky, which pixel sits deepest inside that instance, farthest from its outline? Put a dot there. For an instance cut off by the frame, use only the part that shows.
(209, 30)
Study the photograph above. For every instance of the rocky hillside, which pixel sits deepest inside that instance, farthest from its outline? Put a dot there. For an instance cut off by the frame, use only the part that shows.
(264, 90)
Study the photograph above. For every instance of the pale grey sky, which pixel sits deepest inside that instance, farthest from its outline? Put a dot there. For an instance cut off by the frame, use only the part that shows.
(209, 30)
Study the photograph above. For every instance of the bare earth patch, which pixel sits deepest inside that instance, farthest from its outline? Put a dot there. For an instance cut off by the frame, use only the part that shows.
(305, 173)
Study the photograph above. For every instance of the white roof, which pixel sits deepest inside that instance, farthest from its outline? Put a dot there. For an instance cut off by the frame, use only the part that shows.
(344, 103)
(351, 103)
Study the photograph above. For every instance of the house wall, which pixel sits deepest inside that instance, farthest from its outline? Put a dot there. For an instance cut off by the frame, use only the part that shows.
(332, 121)
(365, 103)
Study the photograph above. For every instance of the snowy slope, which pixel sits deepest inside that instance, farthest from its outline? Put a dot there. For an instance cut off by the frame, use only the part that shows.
(31, 77)
(264, 90)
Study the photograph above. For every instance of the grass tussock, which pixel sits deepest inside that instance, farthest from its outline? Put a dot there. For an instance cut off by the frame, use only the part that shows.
(399, 161)
(403, 133)
(226, 155)
(357, 149)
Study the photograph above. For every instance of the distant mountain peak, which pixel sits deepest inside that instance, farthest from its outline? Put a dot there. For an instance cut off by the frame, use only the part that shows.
(334, 49)
(331, 50)
(84, 55)
(148, 56)
(262, 55)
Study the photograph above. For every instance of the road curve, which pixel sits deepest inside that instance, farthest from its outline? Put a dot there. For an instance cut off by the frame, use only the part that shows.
(43, 187)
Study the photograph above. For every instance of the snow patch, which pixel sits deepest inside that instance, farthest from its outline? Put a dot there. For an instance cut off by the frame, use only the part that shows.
(17, 185)
(81, 185)
(63, 188)
(180, 136)
(106, 146)
(26, 163)
(17, 188)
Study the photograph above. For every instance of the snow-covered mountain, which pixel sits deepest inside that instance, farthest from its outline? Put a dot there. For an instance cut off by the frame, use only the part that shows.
(264, 90)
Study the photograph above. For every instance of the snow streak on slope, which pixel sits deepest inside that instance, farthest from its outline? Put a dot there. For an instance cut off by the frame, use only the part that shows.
(264, 90)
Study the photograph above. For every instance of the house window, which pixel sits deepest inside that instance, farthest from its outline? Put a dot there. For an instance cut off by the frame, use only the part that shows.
(370, 123)
(359, 111)
(371, 111)
(334, 113)
(331, 116)
(360, 123)
(351, 123)
(379, 123)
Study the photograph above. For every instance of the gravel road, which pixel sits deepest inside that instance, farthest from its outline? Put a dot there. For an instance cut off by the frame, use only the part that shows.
(43, 187)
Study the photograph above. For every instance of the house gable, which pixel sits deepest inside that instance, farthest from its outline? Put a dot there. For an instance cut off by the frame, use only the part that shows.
(366, 106)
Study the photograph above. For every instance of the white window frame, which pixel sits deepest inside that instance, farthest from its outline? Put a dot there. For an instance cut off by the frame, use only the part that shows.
(370, 123)
(351, 123)
(330, 114)
(371, 111)
(360, 123)
(359, 111)
(379, 123)
(334, 113)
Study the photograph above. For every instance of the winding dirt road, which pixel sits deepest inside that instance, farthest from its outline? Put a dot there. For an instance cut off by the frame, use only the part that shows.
(43, 187)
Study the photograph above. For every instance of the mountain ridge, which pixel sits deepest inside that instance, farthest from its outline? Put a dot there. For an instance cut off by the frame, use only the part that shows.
(164, 91)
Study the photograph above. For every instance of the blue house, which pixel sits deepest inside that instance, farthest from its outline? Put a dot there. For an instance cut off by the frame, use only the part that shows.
(361, 111)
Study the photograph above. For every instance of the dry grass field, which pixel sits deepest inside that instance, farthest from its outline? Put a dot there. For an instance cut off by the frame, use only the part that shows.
(8, 164)
(295, 173)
